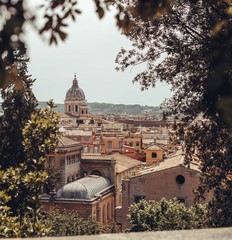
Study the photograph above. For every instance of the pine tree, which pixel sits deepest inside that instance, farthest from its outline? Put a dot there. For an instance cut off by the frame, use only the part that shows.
(18, 104)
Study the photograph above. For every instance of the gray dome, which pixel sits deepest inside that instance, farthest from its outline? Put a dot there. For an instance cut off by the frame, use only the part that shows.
(75, 92)
(84, 188)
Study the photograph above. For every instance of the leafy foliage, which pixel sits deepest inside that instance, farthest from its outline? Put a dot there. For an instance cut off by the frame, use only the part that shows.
(166, 215)
(18, 104)
(41, 133)
(190, 49)
(56, 14)
(20, 213)
(22, 185)
(70, 224)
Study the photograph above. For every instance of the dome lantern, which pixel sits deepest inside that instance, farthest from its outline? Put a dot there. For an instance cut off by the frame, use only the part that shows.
(75, 82)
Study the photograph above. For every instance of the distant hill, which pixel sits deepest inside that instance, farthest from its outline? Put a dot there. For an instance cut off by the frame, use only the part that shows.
(109, 108)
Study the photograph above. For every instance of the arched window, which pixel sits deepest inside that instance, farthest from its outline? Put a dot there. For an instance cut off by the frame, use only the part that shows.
(154, 155)
(112, 209)
(103, 214)
(99, 214)
(95, 172)
(108, 211)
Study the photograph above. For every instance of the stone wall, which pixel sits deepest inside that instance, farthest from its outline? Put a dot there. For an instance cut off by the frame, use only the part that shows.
(206, 234)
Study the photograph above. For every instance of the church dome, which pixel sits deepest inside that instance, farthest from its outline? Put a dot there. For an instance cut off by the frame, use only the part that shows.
(84, 188)
(75, 92)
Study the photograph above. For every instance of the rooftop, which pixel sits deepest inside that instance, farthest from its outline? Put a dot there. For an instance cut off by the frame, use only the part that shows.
(84, 188)
(154, 147)
(67, 142)
(124, 163)
(174, 160)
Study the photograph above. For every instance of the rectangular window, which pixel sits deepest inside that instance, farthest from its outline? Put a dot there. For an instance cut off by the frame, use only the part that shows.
(69, 108)
(86, 138)
(120, 144)
(68, 160)
(96, 149)
(110, 144)
(137, 198)
(154, 155)
(76, 108)
(182, 200)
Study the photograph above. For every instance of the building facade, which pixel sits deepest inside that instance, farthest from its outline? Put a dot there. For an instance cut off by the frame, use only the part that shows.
(170, 179)
(66, 159)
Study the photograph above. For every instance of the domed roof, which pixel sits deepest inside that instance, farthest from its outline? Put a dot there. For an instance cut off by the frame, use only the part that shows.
(84, 188)
(75, 92)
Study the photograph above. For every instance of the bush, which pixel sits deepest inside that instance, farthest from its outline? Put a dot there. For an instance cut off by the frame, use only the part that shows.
(166, 215)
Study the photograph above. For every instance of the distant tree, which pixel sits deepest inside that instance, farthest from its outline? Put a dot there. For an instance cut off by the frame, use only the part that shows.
(18, 104)
(194, 40)
(166, 215)
(70, 224)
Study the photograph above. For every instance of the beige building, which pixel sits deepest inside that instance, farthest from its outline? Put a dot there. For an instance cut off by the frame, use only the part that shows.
(171, 178)
(154, 154)
(111, 144)
(126, 167)
(115, 167)
(66, 159)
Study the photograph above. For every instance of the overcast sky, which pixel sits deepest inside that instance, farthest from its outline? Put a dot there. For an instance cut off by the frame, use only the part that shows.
(90, 52)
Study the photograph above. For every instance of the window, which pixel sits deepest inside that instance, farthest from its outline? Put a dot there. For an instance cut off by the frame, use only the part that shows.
(110, 145)
(76, 108)
(108, 211)
(86, 138)
(137, 198)
(96, 149)
(103, 214)
(69, 108)
(68, 160)
(180, 179)
(112, 209)
(99, 214)
(154, 155)
(182, 200)
(120, 144)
